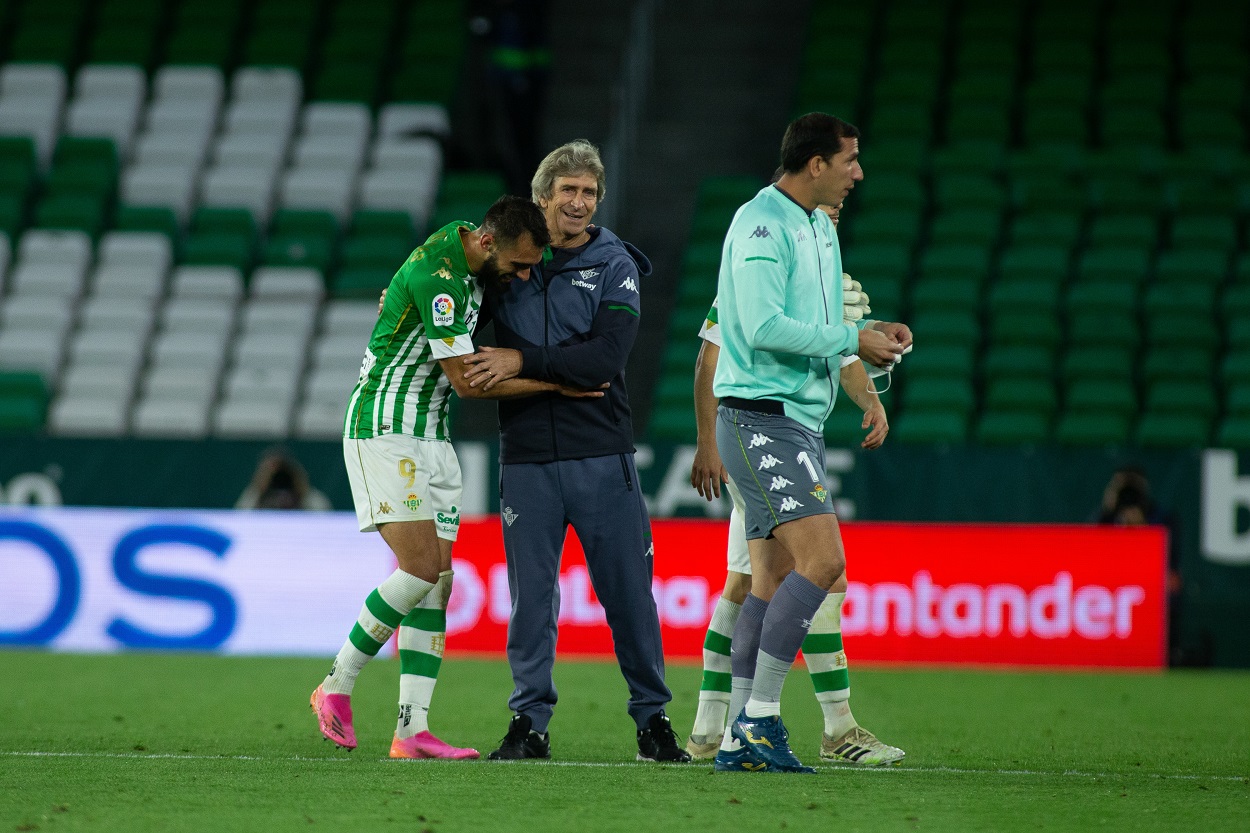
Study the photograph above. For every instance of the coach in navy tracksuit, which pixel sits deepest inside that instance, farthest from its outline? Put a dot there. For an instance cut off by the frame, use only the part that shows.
(571, 460)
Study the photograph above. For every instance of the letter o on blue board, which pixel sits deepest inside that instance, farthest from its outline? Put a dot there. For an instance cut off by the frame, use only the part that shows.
(69, 583)
(126, 568)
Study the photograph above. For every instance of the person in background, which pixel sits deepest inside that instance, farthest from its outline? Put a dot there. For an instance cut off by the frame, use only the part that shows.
(280, 482)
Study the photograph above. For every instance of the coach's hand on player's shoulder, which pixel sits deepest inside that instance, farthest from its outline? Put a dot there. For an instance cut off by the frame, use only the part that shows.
(707, 472)
(878, 349)
(381, 301)
(900, 334)
(874, 418)
(490, 365)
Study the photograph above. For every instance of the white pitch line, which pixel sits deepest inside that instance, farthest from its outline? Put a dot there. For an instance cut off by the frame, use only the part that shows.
(1029, 773)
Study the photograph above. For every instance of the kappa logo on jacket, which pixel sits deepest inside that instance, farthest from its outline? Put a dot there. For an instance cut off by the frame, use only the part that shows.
(629, 284)
(761, 231)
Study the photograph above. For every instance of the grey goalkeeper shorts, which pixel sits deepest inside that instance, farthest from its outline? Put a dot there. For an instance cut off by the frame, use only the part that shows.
(777, 464)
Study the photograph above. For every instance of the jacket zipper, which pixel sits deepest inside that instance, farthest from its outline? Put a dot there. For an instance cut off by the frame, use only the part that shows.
(824, 297)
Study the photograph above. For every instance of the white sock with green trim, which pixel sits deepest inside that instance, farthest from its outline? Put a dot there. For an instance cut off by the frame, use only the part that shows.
(713, 711)
(826, 662)
(422, 639)
(381, 614)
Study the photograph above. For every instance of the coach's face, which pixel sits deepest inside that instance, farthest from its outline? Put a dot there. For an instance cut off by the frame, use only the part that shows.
(570, 207)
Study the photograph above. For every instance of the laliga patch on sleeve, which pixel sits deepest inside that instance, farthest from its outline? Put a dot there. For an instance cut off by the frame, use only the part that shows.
(444, 310)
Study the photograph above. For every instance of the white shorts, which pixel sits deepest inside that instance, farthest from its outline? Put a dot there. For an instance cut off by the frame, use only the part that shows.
(736, 553)
(395, 477)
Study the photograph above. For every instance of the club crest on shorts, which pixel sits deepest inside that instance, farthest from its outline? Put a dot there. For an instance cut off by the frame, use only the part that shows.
(820, 492)
(509, 516)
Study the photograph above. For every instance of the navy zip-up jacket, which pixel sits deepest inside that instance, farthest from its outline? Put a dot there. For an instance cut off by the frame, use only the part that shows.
(574, 324)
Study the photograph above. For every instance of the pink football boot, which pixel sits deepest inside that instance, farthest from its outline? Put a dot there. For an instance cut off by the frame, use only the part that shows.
(425, 745)
(334, 717)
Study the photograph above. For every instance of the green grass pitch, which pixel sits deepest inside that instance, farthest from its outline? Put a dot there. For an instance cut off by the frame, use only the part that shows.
(143, 742)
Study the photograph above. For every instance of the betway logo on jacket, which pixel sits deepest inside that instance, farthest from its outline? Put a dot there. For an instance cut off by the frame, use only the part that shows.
(584, 280)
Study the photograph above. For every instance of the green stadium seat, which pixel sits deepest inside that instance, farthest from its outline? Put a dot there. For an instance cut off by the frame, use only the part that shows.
(1136, 90)
(1114, 396)
(1211, 126)
(1084, 428)
(1133, 125)
(299, 249)
(1042, 262)
(1060, 88)
(382, 251)
(966, 155)
(1237, 399)
(1213, 231)
(1118, 264)
(374, 221)
(1103, 297)
(213, 219)
(365, 282)
(671, 422)
(843, 428)
(1233, 432)
(967, 227)
(1065, 54)
(1063, 121)
(968, 263)
(1173, 430)
(1193, 267)
(1181, 397)
(954, 327)
(1193, 300)
(1050, 227)
(207, 42)
(1033, 295)
(986, 87)
(148, 218)
(1235, 366)
(1166, 330)
(920, 53)
(1103, 327)
(949, 293)
(23, 402)
(72, 211)
(1009, 427)
(906, 87)
(1024, 328)
(1192, 195)
(951, 191)
(1046, 192)
(348, 80)
(980, 122)
(1235, 301)
(219, 248)
(867, 263)
(677, 389)
(317, 223)
(949, 393)
(12, 213)
(1016, 361)
(899, 192)
(888, 227)
(1136, 230)
(1021, 395)
(1111, 193)
(939, 360)
(1096, 362)
(1177, 364)
(944, 427)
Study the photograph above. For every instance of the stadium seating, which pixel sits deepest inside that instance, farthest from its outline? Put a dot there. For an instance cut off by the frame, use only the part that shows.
(1058, 188)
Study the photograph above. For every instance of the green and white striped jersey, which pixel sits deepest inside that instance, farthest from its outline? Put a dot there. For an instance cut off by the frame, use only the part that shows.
(431, 308)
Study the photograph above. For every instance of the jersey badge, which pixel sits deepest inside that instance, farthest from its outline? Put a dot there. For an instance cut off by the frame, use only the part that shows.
(444, 310)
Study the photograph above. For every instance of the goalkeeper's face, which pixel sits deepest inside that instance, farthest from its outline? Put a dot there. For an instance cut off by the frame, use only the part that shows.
(839, 175)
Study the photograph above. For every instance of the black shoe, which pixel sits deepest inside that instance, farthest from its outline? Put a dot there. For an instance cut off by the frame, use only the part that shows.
(522, 742)
(658, 742)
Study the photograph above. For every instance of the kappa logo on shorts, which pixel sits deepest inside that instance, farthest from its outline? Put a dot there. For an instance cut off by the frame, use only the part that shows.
(509, 516)
(758, 440)
(768, 461)
(780, 482)
(790, 504)
(384, 508)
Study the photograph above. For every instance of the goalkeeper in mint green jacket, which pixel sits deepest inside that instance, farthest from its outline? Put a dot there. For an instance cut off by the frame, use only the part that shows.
(783, 339)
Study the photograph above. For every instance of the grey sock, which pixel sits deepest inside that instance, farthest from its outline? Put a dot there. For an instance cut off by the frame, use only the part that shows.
(743, 651)
(787, 621)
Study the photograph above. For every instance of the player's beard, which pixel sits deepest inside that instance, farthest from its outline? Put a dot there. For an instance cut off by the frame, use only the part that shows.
(492, 281)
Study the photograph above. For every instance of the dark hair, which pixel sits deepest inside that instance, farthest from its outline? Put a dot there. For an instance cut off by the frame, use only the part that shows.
(816, 134)
(511, 217)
